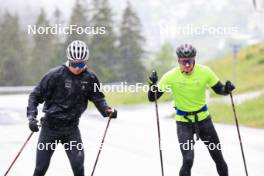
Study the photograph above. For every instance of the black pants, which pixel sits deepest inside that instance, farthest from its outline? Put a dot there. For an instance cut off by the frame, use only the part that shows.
(209, 136)
(72, 142)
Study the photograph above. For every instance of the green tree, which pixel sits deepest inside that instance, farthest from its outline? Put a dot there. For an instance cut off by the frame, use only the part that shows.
(164, 60)
(104, 51)
(59, 46)
(12, 49)
(42, 51)
(131, 47)
(79, 18)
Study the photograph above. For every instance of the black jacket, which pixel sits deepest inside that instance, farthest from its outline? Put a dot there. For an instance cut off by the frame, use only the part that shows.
(66, 95)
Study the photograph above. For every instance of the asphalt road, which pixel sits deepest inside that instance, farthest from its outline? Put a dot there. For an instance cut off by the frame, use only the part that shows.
(131, 145)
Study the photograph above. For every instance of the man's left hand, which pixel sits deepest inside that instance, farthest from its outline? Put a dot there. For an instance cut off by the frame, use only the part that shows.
(229, 87)
(112, 113)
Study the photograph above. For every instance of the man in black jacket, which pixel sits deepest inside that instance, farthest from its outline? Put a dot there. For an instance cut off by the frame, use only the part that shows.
(65, 91)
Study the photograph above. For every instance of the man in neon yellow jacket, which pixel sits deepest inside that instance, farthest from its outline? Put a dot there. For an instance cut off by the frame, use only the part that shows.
(188, 84)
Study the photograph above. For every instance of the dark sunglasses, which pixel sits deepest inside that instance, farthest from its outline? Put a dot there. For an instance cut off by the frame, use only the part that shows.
(77, 64)
(185, 62)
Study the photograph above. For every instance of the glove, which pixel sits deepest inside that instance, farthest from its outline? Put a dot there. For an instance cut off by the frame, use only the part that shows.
(153, 77)
(33, 124)
(111, 113)
(229, 87)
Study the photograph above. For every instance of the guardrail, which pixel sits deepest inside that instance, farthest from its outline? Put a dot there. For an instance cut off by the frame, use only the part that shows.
(15, 89)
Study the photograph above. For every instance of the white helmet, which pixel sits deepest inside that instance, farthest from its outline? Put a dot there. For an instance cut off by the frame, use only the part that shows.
(77, 51)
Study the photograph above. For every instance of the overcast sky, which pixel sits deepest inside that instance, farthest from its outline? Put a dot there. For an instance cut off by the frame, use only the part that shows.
(160, 15)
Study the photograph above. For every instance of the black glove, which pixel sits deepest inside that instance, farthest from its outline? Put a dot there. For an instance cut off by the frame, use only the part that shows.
(111, 113)
(33, 124)
(153, 77)
(229, 87)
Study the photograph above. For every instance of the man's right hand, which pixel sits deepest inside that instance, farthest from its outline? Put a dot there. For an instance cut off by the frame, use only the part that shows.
(153, 77)
(33, 124)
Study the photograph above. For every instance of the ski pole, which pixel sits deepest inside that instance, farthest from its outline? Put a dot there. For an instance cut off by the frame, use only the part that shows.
(238, 132)
(159, 138)
(18, 153)
(102, 143)
(255, 4)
